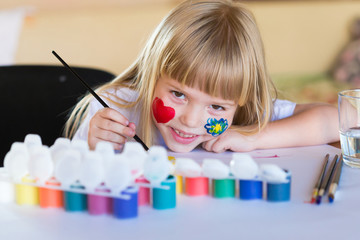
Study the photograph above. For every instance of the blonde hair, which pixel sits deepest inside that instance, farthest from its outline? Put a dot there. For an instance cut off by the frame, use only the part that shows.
(214, 46)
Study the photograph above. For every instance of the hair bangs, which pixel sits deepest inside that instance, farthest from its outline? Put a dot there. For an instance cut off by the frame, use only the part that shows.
(209, 62)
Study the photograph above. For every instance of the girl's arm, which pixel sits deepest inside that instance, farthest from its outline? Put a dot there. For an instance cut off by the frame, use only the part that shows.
(311, 124)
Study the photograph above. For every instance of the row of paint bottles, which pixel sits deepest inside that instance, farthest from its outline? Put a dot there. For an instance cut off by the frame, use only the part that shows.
(31, 162)
(223, 178)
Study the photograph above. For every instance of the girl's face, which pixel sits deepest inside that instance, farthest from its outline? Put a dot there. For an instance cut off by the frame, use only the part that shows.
(181, 113)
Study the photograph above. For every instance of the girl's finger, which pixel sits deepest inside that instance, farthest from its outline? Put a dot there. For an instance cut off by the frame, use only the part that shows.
(218, 147)
(115, 127)
(113, 115)
(132, 126)
(94, 141)
(207, 145)
(109, 136)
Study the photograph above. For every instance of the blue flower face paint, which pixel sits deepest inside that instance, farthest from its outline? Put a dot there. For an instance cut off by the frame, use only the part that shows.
(216, 127)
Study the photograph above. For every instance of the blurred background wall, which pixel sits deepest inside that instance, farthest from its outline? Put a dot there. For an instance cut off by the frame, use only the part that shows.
(299, 36)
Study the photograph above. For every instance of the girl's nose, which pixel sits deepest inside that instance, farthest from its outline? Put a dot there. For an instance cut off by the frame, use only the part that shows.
(192, 117)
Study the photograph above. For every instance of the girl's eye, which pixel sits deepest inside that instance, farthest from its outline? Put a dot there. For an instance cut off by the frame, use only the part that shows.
(178, 94)
(217, 107)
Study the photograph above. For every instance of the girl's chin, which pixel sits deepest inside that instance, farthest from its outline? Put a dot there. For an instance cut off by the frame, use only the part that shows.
(181, 148)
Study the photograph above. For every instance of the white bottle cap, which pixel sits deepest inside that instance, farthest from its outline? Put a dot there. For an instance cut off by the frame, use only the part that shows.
(135, 155)
(107, 152)
(117, 175)
(62, 141)
(273, 173)
(81, 146)
(67, 167)
(41, 165)
(32, 140)
(104, 146)
(16, 161)
(156, 166)
(59, 147)
(91, 172)
(187, 167)
(15, 147)
(243, 166)
(18, 146)
(214, 168)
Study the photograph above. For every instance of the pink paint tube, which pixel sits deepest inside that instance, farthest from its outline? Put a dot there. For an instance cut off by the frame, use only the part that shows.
(99, 205)
(198, 186)
(144, 192)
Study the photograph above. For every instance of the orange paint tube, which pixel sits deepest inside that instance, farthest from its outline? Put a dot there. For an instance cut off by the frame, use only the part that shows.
(51, 198)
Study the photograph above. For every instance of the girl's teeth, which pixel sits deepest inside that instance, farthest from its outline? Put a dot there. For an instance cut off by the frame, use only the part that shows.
(183, 135)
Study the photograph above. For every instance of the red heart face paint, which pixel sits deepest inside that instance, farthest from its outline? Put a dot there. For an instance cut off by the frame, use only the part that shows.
(162, 113)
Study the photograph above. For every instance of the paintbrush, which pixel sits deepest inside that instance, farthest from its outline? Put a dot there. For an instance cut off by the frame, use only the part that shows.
(320, 179)
(94, 94)
(326, 181)
(335, 182)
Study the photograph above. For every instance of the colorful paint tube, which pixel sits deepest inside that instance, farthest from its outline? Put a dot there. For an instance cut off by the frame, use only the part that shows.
(172, 159)
(179, 179)
(179, 184)
(223, 188)
(279, 192)
(51, 197)
(144, 192)
(250, 189)
(165, 198)
(26, 194)
(7, 192)
(99, 205)
(75, 202)
(198, 186)
(126, 208)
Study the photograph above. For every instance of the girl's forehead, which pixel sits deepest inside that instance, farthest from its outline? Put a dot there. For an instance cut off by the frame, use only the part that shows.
(192, 92)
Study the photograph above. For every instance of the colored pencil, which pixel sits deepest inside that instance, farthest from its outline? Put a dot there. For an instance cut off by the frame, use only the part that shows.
(94, 94)
(326, 181)
(335, 182)
(319, 180)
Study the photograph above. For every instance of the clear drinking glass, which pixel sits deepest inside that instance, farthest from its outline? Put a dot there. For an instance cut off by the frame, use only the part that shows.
(349, 126)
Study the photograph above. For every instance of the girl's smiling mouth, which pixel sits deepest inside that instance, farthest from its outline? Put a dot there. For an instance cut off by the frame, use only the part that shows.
(183, 137)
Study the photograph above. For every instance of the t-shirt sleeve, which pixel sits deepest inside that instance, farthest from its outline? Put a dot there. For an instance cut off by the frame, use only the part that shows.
(283, 109)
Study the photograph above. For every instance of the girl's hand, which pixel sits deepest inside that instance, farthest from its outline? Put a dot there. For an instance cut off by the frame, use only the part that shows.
(230, 140)
(109, 125)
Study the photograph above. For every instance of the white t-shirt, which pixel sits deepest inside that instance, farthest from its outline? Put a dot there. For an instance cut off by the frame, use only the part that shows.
(282, 109)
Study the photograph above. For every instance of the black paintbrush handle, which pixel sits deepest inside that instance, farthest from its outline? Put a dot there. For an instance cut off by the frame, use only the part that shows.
(83, 82)
(94, 94)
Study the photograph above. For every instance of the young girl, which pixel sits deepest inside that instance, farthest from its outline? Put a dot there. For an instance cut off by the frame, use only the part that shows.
(201, 80)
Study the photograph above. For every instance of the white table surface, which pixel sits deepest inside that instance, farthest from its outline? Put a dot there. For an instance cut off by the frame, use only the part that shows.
(209, 218)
